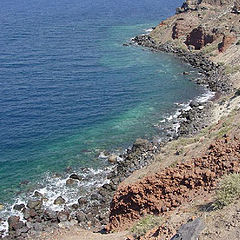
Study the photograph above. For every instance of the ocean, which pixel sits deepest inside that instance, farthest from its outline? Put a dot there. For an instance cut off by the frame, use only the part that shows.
(70, 90)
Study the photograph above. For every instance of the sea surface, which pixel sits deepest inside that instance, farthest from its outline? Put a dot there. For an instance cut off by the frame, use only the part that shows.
(70, 90)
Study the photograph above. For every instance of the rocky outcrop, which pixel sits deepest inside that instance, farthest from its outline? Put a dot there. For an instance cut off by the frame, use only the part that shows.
(190, 230)
(14, 223)
(193, 5)
(228, 40)
(190, 5)
(216, 2)
(183, 26)
(199, 37)
(166, 190)
(59, 201)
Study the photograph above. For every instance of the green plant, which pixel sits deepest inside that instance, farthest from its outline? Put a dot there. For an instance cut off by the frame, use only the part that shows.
(231, 69)
(221, 63)
(174, 164)
(210, 48)
(145, 224)
(228, 191)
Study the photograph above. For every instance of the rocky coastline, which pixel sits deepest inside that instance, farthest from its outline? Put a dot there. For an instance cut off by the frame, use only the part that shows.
(93, 211)
(214, 77)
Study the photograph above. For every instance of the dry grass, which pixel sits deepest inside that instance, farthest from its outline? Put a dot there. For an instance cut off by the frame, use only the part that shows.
(145, 224)
(228, 191)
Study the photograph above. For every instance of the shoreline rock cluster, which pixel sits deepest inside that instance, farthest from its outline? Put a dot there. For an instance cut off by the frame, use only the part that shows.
(92, 212)
(214, 77)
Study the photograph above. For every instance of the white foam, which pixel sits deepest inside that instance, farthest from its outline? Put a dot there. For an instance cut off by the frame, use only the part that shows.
(186, 107)
(205, 96)
(148, 30)
(55, 187)
(102, 156)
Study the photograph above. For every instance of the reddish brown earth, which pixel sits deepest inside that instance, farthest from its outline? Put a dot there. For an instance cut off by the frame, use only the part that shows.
(174, 186)
(199, 38)
(227, 41)
(183, 26)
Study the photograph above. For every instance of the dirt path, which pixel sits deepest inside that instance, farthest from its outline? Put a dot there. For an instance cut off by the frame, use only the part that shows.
(76, 233)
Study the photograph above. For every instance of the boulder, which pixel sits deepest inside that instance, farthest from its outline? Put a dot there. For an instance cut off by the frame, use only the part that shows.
(81, 217)
(34, 204)
(19, 207)
(112, 158)
(94, 197)
(140, 144)
(14, 223)
(75, 176)
(59, 201)
(50, 215)
(29, 213)
(75, 206)
(38, 194)
(63, 216)
(190, 230)
(82, 201)
(70, 182)
(194, 104)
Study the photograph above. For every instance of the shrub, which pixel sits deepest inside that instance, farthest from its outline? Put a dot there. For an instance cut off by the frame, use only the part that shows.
(145, 224)
(228, 191)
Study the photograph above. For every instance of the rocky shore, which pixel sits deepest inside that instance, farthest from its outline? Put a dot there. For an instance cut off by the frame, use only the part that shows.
(214, 77)
(93, 211)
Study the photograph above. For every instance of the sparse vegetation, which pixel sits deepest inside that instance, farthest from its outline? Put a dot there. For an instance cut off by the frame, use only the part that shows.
(179, 44)
(210, 48)
(228, 191)
(231, 69)
(174, 164)
(221, 63)
(145, 224)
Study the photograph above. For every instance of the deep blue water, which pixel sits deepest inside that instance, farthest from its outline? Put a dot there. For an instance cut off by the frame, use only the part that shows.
(69, 89)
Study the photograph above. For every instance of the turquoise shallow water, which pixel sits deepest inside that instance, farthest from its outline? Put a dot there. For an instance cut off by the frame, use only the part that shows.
(70, 90)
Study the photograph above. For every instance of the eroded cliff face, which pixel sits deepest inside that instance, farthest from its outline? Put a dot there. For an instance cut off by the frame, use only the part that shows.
(168, 189)
(227, 41)
(199, 37)
(209, 25)
(197, 4)
(212, 28)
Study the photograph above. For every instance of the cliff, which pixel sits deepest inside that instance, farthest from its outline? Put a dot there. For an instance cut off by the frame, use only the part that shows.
(173, 188)
(208, 29)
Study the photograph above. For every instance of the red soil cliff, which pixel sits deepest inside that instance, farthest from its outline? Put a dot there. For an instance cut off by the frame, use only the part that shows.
(173, 186)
